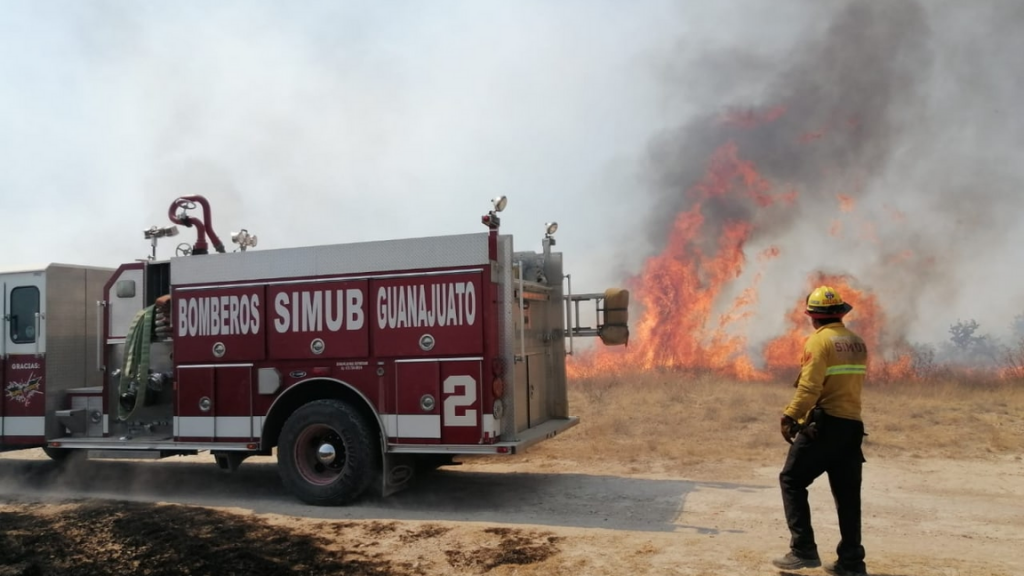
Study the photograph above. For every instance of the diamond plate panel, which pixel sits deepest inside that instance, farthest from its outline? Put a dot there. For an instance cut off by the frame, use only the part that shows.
(365, 257)
(506, 331)
(558, 399)
(95, 281)
(70, 337)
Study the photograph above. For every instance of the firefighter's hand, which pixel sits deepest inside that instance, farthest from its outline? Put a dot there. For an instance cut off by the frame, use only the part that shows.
(788, 426)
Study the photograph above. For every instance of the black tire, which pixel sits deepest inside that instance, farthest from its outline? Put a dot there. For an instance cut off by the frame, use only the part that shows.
(326, 422)
(61, 455)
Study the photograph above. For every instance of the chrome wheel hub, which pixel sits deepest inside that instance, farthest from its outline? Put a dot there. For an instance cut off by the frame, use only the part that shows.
(326, 453)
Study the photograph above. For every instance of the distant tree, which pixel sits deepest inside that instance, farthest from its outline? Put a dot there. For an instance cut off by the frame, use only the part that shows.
(962, 335)
(1017, 327)
(971, 347)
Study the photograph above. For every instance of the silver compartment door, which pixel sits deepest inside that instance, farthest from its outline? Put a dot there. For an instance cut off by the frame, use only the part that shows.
(124, 300)
(538, 383)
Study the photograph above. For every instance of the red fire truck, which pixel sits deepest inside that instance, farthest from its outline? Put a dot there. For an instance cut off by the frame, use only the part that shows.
(360, 363)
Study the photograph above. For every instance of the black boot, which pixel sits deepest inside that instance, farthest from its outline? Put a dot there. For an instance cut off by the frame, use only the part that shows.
(793, 562)
(837, 569)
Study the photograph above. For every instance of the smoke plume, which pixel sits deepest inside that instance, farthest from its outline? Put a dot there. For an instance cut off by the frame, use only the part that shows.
(890, 127)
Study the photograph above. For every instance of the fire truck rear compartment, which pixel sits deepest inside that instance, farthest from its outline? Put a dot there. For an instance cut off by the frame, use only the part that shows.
(89, 421)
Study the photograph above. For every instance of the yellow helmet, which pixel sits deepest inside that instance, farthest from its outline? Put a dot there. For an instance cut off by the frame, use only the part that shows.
(825, 302)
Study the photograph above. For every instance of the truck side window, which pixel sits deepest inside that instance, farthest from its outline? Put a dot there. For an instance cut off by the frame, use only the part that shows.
(24, 306)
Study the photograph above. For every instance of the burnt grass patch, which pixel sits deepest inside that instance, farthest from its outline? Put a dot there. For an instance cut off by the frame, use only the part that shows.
(511, 546)
(428, 531)
(102, 538)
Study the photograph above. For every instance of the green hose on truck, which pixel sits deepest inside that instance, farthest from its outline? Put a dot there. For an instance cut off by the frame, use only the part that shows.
(135, 367)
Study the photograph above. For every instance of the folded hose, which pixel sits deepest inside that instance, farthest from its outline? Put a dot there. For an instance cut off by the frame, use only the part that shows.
(135, 366)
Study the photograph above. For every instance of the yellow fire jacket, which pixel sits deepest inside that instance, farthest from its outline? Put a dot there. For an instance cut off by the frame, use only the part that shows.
(832, 374)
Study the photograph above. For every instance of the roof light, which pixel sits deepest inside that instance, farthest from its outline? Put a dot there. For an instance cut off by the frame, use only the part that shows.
(154, 233)
(244, 239)
(158, 232)
(499, 203)
(491, 219)
(552, 227)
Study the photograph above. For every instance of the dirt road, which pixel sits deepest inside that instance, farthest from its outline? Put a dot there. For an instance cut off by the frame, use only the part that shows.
(922, 517)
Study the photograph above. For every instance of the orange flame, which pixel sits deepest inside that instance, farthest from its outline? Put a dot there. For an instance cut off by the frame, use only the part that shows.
(693, 317)
(867, 319)
(678, 290)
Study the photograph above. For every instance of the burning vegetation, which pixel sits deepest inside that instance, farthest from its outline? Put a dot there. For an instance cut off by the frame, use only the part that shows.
(679, 289)
(788, 195)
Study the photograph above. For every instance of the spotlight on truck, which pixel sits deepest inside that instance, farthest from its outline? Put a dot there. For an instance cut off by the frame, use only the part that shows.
(154, 233)
(499, 203)
(491, 219)
(244, 239)
(160, 232)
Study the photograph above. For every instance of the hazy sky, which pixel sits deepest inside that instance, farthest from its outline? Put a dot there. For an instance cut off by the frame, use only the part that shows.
(320, 122)
(317, 122)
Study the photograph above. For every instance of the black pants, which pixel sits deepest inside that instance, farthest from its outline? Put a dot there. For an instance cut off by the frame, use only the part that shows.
(837, 452)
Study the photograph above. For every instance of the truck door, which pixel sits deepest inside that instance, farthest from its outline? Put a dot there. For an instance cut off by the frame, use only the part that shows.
(214, 404)
(22, 347)
(461, 401)
(437, 400)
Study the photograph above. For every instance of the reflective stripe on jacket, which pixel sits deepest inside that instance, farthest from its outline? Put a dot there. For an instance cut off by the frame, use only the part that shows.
(832, 374)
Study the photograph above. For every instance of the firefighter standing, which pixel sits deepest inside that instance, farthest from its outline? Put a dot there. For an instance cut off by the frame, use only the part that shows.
(824, 427)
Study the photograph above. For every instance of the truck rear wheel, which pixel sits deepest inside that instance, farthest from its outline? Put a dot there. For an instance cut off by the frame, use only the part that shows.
(325, 453)
(59, 455)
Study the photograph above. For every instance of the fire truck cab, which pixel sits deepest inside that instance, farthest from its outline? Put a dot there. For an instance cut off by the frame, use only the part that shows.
(359, 363)
(46, 352)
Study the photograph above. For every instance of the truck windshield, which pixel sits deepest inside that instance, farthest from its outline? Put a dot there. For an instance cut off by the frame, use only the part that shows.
(24, 306)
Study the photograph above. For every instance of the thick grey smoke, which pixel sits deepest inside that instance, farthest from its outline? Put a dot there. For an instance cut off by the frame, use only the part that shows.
(904, 107)
(843, 96)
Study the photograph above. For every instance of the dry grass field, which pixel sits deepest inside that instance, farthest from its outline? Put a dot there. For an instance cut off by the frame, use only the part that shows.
(667, 474)
(676, 423)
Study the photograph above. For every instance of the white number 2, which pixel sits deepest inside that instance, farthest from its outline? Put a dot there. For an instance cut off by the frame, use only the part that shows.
(467, 398)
